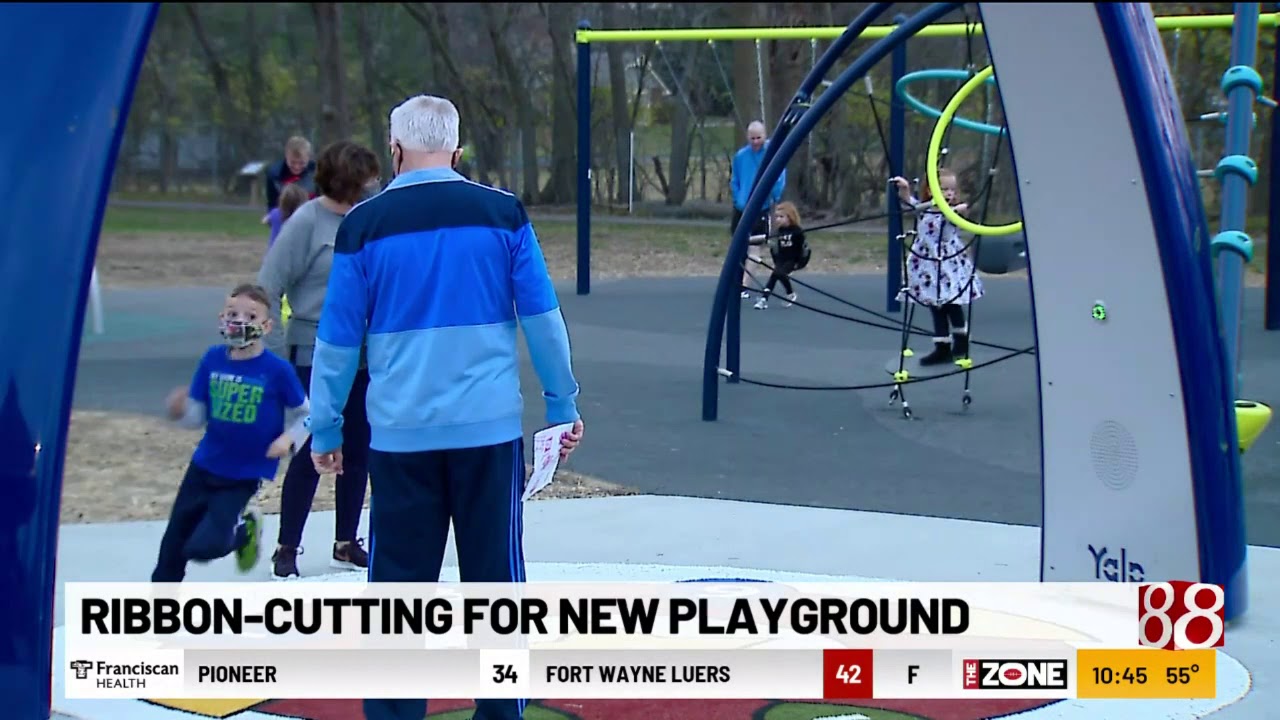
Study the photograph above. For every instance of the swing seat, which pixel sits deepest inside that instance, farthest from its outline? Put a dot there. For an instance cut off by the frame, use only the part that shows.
(1001, 254)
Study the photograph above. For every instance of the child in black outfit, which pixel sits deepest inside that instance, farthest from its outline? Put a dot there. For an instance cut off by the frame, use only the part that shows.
(789, 250)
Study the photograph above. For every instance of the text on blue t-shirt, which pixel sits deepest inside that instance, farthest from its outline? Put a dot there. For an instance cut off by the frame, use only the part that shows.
(246, 402)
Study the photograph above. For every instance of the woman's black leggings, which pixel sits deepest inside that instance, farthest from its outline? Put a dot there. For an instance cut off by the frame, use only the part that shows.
(301, 479)
(946, 318)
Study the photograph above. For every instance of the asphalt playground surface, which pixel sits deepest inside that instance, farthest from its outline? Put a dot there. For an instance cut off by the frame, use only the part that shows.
(638, 348)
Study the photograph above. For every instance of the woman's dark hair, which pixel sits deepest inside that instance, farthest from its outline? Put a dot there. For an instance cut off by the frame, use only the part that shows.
(343, 169)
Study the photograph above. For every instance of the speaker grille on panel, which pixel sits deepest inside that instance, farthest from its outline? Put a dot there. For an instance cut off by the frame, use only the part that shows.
(1114, 454)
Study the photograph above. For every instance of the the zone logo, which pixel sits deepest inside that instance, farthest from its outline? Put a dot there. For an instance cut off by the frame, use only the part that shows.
(990, 674)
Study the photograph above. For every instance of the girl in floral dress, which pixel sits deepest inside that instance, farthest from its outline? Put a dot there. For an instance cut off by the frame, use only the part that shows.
(940, 272)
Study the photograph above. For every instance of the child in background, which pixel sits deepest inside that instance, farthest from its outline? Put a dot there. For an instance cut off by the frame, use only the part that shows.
(291, 198)
(940, 273)
(244, 396)
(789, 251)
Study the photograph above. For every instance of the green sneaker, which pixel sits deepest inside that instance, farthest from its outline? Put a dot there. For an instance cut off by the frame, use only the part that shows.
(247, 555)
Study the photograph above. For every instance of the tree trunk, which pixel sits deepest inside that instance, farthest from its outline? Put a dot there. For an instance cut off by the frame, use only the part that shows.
(253, 146)
(518, 96)
(228, 144)
(682, 125)
(369, 97)
(789, 63)
(560, 187)
(329, 62)
(746, 81)
(618, 107)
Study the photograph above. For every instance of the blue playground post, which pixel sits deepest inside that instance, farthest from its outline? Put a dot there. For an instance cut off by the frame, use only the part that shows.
(1237, 172)
(584, 163)
(69, 113)
(897, 158)
(1271, 318)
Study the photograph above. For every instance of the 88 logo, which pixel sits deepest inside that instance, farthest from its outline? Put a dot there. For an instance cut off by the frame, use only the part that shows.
(1181, 615)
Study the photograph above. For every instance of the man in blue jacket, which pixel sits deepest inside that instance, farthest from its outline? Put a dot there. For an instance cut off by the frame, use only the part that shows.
(742, 176)
(431, 277)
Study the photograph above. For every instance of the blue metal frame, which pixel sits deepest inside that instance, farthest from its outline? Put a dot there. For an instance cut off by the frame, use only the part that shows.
(1181, 228)
(776, 158)
(68, 115)
(797, 108)
(584, 164)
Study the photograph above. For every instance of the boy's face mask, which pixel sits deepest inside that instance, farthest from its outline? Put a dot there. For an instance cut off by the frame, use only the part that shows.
(240, 333)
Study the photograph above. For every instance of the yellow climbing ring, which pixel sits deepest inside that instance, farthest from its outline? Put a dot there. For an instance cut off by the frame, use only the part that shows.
(935, 150)
(901, 376)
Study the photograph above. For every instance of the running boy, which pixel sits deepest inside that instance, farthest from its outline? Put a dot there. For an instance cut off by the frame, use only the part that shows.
(244, 396)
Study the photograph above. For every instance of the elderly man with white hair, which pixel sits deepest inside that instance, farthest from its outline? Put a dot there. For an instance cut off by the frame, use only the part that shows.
(434, 273)
(742, 176)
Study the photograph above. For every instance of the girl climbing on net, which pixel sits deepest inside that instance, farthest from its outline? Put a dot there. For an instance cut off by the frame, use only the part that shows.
(940, 272)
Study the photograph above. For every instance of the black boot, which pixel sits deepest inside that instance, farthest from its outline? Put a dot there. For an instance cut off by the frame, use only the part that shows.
(960, 343)
(941, 353)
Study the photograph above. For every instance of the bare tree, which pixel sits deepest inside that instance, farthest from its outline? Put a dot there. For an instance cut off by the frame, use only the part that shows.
(369, 93)
(517, 93)
(256, 85)
(560, 187)
(227, 141)
(329, 60)
(622, 122)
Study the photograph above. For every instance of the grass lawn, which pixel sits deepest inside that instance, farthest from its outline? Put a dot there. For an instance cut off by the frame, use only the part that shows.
(167, 246)
(142, 246)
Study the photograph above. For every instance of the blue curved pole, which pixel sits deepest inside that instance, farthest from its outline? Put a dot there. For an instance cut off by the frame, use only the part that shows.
(67, 115)
(777, 161)
(733, 321)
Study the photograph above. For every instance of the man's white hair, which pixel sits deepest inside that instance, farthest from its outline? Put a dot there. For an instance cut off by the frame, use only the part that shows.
(426, 124)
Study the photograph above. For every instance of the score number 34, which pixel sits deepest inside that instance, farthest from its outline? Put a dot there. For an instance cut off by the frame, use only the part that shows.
(504, 674)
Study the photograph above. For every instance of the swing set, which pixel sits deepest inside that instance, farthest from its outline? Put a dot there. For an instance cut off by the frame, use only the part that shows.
(1006, 240)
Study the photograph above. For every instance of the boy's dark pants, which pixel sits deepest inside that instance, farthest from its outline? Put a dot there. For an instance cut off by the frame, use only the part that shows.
(204, 524)
(415, 495)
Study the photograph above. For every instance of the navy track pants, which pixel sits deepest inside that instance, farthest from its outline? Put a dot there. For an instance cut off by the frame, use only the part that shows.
(415, 496)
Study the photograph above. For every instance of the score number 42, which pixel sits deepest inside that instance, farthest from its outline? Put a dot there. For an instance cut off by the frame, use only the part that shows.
(1181, 615)
(846, 674)
(849, 674)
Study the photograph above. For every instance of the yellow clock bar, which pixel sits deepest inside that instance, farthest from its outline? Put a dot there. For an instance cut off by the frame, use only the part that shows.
(1146, 674)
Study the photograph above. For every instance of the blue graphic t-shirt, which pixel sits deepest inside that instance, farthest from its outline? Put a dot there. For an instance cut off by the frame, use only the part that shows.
(246, 402)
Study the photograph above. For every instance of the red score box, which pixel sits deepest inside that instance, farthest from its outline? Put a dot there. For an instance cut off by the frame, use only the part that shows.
(847, 674)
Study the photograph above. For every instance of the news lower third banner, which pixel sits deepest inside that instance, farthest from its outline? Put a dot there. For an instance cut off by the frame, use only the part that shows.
(642, 640)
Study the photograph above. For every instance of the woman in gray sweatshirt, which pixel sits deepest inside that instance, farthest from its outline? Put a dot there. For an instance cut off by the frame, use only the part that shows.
(297, 266)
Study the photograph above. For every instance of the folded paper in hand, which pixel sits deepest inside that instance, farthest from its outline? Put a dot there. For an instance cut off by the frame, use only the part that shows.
(546, 456)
